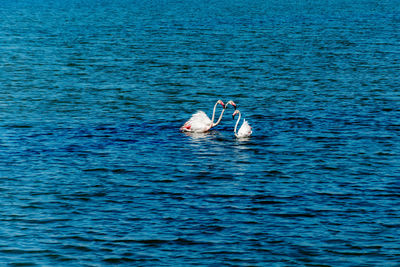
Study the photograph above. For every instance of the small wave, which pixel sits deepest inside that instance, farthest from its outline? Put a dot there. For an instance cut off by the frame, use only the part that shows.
(294, 215)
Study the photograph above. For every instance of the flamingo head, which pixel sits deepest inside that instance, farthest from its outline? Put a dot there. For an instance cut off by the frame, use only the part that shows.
(234, 113)
(232, 103)
(221, 103)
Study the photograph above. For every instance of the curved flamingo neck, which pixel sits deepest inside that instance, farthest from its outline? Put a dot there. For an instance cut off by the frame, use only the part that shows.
(213, 114)
(237, 122)
(220, 117)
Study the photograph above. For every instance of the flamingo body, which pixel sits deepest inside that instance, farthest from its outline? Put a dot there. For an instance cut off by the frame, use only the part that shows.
(198, 123)
(245, 129)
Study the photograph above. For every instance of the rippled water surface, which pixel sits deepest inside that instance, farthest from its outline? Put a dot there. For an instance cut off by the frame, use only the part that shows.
(94, 170)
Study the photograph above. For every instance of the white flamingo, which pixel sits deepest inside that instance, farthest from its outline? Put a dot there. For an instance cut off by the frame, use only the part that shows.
(245, 129)
(200, 122)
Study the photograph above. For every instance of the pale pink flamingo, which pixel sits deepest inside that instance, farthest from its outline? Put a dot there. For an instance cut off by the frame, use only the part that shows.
(245, 129)
(200, 122)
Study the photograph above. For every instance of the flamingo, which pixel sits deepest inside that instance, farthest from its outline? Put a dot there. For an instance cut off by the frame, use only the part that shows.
(200, 122)
(245, 129)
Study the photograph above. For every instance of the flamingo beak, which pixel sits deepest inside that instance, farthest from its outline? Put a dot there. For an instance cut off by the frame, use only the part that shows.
(234, 114)
(234, 105)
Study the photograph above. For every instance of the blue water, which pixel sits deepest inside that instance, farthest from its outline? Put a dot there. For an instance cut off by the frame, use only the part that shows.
(93, 168)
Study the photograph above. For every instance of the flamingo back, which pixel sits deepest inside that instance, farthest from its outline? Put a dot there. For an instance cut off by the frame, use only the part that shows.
(199, 122)
(245, 130)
